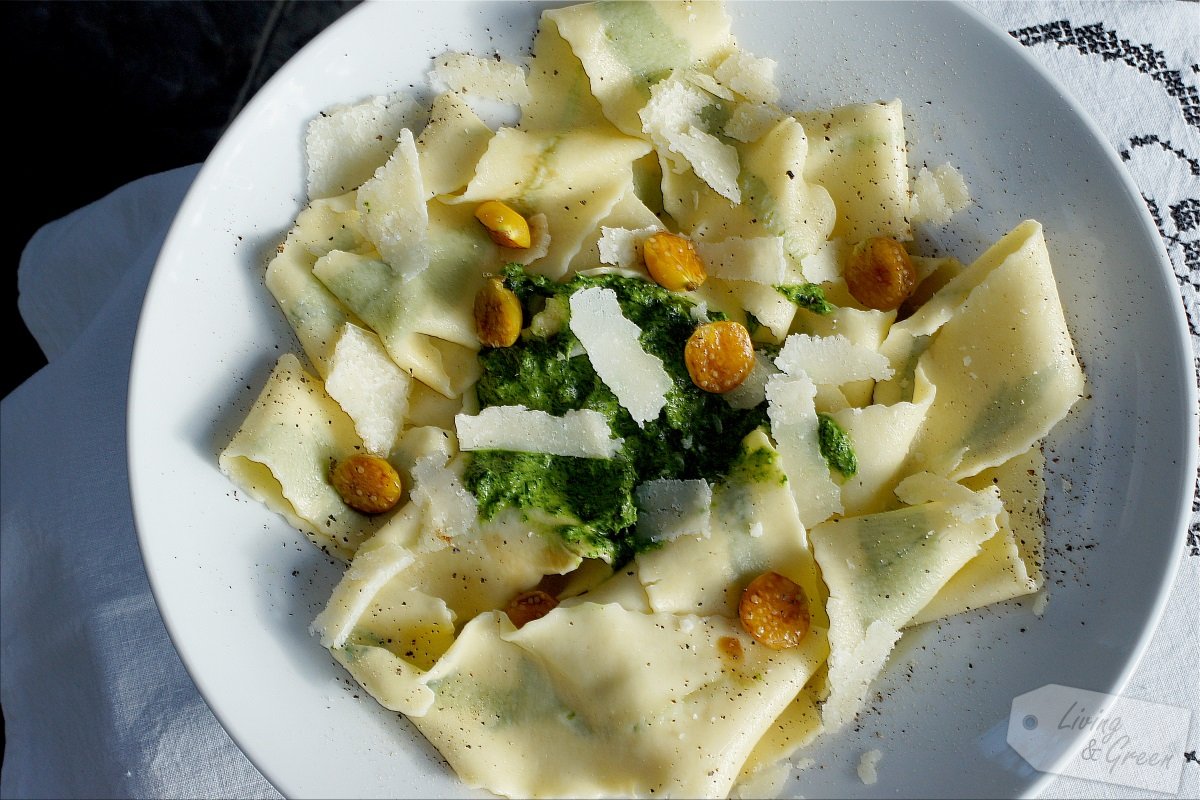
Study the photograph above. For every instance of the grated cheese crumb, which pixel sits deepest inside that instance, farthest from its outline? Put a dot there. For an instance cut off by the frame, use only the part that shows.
(1040, 601)
(938, 195)
(867, 765)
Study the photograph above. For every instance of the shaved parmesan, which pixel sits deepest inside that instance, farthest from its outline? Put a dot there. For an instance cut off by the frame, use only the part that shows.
(967, 505)
(753, 390)
(482, 77)
(831, 359)
(750, 121)
(369, 387)
(344, 145)
(852, 670)
(611, 341)
(672, 119)
(706, 82)
(793, 415)
(668, 509)
(753, 78)
(450, 510)
(825, 264)
(582, 433)
(713, 161)
(392, 206)
(622, 247)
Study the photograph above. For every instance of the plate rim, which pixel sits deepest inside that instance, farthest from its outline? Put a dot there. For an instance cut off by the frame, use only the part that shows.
(1165, 271)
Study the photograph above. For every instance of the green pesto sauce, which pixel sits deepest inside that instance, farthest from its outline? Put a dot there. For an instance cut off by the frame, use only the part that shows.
(756, 465)
(836, 446)
(697, 435)
(807, 295)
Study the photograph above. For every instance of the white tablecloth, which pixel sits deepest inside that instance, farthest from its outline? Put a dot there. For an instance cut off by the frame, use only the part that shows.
(95, 698)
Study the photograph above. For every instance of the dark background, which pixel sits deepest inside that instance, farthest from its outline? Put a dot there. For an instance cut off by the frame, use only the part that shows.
(101, 93)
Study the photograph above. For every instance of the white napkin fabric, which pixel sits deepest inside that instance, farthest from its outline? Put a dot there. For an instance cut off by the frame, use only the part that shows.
(96, 700)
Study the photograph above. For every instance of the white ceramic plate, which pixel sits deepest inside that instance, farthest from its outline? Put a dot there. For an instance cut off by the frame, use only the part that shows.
(237, 587)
